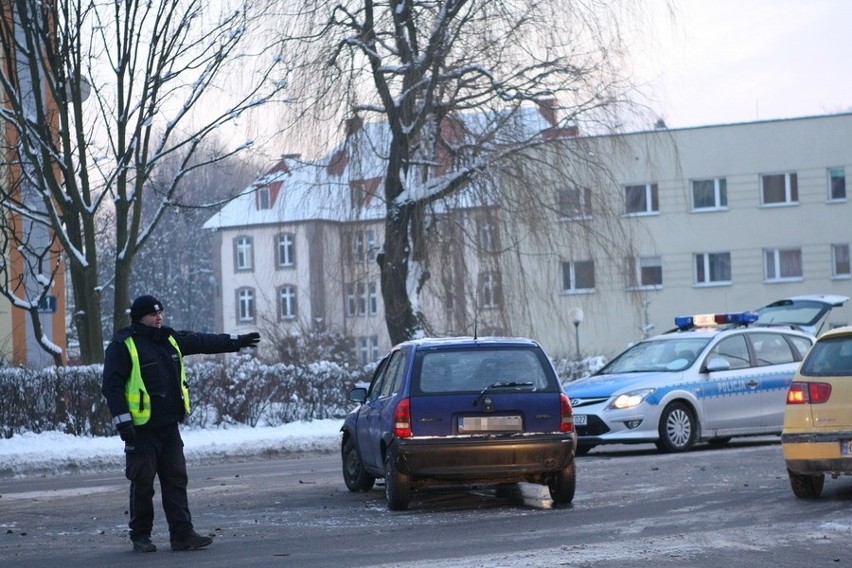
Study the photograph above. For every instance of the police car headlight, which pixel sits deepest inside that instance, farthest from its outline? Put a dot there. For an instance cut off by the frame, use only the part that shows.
(630, 399)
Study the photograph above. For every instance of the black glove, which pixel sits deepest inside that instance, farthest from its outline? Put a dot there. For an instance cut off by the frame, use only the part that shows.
(249, 339)
(127, 432)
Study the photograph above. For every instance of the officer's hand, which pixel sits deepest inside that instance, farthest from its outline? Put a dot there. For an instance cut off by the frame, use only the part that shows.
(249, 339)
(127, 432)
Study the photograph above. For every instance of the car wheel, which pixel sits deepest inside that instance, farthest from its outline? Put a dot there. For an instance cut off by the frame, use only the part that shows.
(806, 486)
(397, 487)
(562, 485)
(354, 474)
(678, 428)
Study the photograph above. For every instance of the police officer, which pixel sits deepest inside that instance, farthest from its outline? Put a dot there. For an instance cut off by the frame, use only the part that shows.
(144, 382)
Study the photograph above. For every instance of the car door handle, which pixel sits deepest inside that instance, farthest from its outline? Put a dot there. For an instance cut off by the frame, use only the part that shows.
(752, 383)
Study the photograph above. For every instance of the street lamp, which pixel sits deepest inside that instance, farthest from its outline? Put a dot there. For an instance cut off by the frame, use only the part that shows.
(577, 317)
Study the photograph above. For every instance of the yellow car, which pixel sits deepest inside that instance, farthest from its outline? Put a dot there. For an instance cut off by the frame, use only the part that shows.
(817, 435)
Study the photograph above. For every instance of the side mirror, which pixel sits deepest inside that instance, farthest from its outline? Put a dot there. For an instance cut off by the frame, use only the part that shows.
(358, 394)
(717, 364)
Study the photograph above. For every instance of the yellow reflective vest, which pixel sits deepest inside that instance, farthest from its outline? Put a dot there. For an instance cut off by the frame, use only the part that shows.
(135, 392)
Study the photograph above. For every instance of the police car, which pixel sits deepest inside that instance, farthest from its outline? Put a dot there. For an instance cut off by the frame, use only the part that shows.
(713, 377)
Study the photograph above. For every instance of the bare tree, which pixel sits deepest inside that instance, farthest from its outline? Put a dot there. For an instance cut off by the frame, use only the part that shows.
(29, 272)
(454, 80)
(97, 94)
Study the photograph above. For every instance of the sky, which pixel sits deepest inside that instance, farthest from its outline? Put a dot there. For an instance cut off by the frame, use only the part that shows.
(54, 453)
(725, 61)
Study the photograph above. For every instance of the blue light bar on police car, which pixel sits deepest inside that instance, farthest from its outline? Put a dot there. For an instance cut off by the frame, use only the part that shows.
(700, 320)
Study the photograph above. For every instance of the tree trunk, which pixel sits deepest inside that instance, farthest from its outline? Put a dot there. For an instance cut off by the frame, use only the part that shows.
(87, 313)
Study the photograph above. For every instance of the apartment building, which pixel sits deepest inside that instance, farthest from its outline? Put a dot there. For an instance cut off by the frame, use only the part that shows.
(651, 225)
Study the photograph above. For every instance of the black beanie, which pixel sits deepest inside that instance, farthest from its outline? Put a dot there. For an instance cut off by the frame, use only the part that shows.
(144, 305)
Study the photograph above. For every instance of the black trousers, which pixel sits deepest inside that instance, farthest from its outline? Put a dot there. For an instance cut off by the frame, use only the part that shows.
(157, 452)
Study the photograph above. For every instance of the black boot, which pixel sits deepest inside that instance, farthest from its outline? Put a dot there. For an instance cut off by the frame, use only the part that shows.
(190, 541)
(143, 544)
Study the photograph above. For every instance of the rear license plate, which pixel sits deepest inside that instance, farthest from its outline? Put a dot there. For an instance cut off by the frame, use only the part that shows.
(846, 447)
(479, 424)
(581, 419)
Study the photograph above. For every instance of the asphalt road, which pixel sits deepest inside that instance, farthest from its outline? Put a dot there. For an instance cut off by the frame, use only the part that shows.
(707, 508)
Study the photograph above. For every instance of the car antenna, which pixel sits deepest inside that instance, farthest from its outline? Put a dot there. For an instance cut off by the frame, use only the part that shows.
(475, 313)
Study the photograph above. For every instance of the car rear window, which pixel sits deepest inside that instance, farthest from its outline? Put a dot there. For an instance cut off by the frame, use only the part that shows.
(472, 370)
(829, 358)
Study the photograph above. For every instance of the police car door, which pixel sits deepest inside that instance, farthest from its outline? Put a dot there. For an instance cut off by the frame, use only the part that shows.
(776, 365)
(730, 395)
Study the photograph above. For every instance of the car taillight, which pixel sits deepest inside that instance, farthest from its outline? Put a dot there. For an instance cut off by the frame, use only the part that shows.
(808, 393)
(402, 419)
(567, 423)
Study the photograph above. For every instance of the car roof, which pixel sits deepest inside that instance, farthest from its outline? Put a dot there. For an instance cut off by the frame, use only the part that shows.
(467, 342)
(843, 331)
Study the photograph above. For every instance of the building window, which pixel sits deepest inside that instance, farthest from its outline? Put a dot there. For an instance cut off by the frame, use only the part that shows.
(712, 268)
(645, 272)
(837, 184)
(486, 235)
(372, 298)
(351, 302)
(578, 276)
(840, 261)
(243, 253)
(709, 194)
(245, 305)
(286, 252)
(783, 264)
(263, 198)
(362, 245)
(642, 199)
(287, 302)
(779, 189)
(574, 203)
(489, 290)
(368, 349)
(362, 299)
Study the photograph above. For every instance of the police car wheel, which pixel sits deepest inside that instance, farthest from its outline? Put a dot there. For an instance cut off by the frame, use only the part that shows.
(678, 428)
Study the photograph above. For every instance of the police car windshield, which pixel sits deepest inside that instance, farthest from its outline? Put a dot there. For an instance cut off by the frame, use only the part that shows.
(658, 355)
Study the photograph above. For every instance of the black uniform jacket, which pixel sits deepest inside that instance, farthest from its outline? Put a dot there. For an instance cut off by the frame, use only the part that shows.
(160, 366)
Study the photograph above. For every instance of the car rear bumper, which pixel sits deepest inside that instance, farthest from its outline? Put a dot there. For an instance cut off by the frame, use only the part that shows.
(816, 452)
(498, 458)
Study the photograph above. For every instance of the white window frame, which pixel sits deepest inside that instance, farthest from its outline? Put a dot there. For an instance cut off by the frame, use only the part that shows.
(779, 260)
(705, 263)
(351, 302)
(287, 305)
(486, 237)
(840, 265)
(245, 305)
(791, 190)
(569, 277)
(372, 298)
(838, 173)
(264, 198)
(651, 199)
(286, 250)
(579, 196)
(720, 194)
(636, 266)
(243, 253)
(489, 290)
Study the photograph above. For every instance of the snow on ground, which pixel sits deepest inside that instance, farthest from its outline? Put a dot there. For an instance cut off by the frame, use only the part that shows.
(54, 453)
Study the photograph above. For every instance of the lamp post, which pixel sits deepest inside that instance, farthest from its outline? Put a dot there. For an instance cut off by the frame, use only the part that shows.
(577, 318)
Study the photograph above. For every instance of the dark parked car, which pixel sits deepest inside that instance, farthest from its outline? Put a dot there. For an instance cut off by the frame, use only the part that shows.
(460, 411)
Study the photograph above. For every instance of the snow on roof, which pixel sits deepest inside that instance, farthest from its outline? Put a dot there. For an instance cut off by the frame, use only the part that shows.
(347, 183)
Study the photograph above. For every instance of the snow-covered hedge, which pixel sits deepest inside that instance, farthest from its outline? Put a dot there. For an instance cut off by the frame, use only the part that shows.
(225, 390)
(230, 390)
